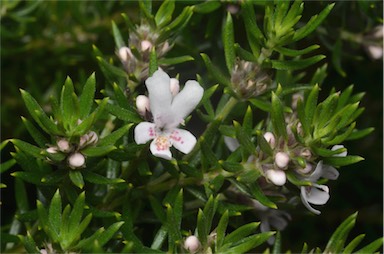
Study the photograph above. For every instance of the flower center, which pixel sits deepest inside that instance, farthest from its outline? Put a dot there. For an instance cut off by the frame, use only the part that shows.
(162, 143)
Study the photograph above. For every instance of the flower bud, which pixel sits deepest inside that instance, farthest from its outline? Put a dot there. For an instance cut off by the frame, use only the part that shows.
(276, 176)
(125, 54)
(43, 251)
(174, 86)
(192, 244)
(63, 145)
(92, 138)
(146, 45)
(76, 160)
(270, 138)
(142, 104)
(337, 147)
(281, 160)
(52, 149)
(308, 168)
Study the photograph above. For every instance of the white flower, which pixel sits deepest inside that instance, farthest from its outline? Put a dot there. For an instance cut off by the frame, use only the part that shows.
(276, 176)
(192, 244)
(337, 147)
(318, 194)
(168, 112)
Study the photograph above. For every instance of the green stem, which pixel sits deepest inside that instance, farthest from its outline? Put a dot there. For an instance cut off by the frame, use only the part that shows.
(221, 116)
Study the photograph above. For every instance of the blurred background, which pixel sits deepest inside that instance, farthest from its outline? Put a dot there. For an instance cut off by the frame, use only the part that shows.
(44, 41)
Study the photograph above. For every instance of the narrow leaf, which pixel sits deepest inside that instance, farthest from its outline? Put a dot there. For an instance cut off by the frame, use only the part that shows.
(87, 96)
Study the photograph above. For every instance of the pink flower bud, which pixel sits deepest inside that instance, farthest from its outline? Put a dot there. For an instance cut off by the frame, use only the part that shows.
(142, 104)
(174, 86)
(276, 176)
(76, 160)
(270, 138)
(63, 145)
(281, 160)
(192, 244)
(125, 54)
(146, 45)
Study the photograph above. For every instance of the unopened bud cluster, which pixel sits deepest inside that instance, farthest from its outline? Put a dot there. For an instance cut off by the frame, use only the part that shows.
(249, 80)
(69, 151)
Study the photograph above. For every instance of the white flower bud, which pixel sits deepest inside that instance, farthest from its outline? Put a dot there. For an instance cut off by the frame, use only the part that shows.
(125, 54)
(174, 86)
(281, 160)
(307, 169)
(276, 176)
(76, 160)
(52, 149)
(337, 147)
(146, 45)
(92, 138)
(43, 251)
(192, 244)
(142, 104)
(270, 138)
(63, 145)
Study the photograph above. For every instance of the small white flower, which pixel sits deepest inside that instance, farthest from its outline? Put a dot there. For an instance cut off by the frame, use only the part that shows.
(282, 159)
(276, 176)
(168, 112)
(270, 138)
(63, 145)
(76, 160)
(174, 86)
(192, 244)
(142, 104)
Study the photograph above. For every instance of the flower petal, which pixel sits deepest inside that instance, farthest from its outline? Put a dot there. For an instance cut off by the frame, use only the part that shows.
(231, 143)
(144, 132)
(162, 153)
(317, 173)
(337, 147)
(318, 195)
(160, 97)
(186, 101)
(330, 172)
(183, 140)
(305, 201)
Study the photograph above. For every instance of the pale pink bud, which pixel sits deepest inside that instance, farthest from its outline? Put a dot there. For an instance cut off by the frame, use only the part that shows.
(52, 149)
(63, 145)
(276, 176)
(270, 138)
(307, 169)
(83, 140)
(192, 244)
(43, 251)
(281, 159)
(306, 153)
(174, 86)
(142, 104)
(146, 45)
(125, 54)
(92, 137)
(76, 160)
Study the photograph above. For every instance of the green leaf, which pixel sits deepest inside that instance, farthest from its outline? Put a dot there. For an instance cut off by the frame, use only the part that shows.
(231, 166)
(277, 116)
(159, 238)
(319, 76)
(291, 65)
(120, 97)
(69, 104)
(264, 145)
(244, 138)
(228, 42)
(342, 161)
(312, 24)
(337, 56)
(54, 214)
(202, 229)
(29, 244)
(241, 232)
(358, 134)
(123, 114)
(338, 238)
(221, 230)
(206, 7)
(215, 72)
(77, 178)
(29, 177)
(119, 41)
(153, 66)
(295, 52)
(87, 96)
(37, 136)
(254, 35)
(261, 104)
(244, 54)
(97, 151)
(174, 60)
(353, 244)
(177, 25)
(112, 138)
(108, 234)
(292, 177)
(7, 165)
(251, 242)
(257, 193)
(76, 215)
(38, 114)
(277, 244)
(99, 179)
(28, 148)
(372, 247)
(112, 73)
(164, 14)
(21, 196)
(310, 105)
(157, 208)
(174, 234)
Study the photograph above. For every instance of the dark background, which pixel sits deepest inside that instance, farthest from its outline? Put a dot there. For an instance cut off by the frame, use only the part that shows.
(43, 43)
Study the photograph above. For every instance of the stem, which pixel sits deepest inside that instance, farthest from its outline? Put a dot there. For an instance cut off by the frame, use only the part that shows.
(220, 117)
